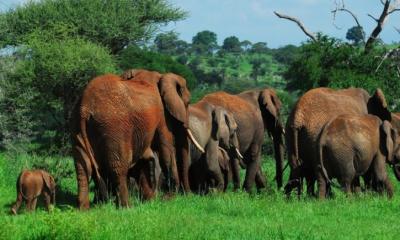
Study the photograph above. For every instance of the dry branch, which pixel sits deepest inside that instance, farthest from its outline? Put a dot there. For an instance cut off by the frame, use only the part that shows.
(388, 8)
(299, 23)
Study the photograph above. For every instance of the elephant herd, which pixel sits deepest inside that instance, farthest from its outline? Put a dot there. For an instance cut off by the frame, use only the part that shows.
(139, 127)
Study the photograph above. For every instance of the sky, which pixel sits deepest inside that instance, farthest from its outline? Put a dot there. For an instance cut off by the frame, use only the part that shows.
(254, 20)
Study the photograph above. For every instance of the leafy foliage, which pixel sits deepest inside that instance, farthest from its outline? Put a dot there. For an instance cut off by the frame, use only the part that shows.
(232, 44)
(113, 24)
(204, 42)
(40, 92)
(355, 34)
(331, 63)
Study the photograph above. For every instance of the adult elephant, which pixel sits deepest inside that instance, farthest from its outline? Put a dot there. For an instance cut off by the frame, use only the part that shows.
(213, 127)
(118, 122)
(254, 112)
(311, 112)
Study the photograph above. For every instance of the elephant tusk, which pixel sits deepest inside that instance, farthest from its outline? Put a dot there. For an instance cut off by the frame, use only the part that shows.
(194, 140)
(283, 131)
(238, 153)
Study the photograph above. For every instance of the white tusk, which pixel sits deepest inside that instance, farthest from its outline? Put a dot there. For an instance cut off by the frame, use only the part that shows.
(283, 131)
(194, 141)
(238, 153)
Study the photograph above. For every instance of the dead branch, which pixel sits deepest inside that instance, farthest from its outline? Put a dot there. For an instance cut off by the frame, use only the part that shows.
(388, 8)
(397, 29)
(395, 52)
(299, 23)
(340, 7)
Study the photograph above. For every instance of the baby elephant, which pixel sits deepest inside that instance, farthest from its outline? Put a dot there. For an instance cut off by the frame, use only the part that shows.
(224, 164)
(30, 185)
(356, 145)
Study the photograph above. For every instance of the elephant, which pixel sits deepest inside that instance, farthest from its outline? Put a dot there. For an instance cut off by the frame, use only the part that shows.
(350, 146)
(213, 127)
(224, 164)
(310, 113)
(117, 124)
(254, 112)
(30, 185)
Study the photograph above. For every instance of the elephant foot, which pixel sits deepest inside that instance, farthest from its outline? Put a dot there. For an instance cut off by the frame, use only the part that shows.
(168, 196)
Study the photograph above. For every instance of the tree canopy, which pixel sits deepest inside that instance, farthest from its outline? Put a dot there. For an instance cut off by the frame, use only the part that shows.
(113, 24)
(232, 44)
(205, 42)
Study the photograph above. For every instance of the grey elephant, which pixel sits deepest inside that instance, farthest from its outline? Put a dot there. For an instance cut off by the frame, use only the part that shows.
(311, 112)
(351, 146)
(213, 127)
(255, 111)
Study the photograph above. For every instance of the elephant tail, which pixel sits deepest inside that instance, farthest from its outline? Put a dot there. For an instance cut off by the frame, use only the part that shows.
(20, 189)
(88, 150)
(321, 143)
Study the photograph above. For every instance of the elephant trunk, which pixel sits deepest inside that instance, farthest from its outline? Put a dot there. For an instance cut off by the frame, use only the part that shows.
(279, 151)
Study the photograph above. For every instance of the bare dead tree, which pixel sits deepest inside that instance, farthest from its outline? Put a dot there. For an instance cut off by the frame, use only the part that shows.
(299, 23)
(389, 7)
(340, 7)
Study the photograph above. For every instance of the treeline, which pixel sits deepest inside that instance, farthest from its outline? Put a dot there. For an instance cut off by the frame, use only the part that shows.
(50, 49)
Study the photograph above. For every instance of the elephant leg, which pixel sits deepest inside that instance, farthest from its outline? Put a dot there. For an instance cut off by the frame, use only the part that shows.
(322, 185)
(355, 185)
(381, 178)
(235, 173)
(261, 181)
(252, 168)
(122, 191)
(147, 179)
(17, 204)
(82, 175)
(32, 204)
(164, 142)
(310, 180)
(213, 168)
(47, 200)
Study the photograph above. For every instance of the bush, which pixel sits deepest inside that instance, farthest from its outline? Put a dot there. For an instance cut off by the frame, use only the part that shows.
(40, 92)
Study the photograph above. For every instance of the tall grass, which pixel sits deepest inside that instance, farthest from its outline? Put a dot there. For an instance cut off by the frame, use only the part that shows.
(218, 216)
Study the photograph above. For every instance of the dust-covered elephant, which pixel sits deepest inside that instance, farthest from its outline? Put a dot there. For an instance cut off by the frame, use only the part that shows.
(119, 121)
(351, 146)
(30, 185)
(311, 112)
(255, 111)
(213, 127)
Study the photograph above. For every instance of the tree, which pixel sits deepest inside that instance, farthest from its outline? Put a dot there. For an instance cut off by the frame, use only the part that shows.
(40, 92)
(259, 47)
(114, 24)
(204, 42)
(355, 34)
(246, 45)
(232, 44)
(169, 43)
(259, 67)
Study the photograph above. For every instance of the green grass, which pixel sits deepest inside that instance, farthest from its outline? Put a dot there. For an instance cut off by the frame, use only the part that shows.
(219, 216)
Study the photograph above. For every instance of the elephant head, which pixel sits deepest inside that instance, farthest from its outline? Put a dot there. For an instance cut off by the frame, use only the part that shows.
(225, 130)
(377, 106)
(270, 106)
(50, 185)
(390, 143)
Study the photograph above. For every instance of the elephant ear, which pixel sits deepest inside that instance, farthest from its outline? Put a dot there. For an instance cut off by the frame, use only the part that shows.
(220, 127)
(48, 180)
(175, 96)
(377, 105)
(388, 135)
(230, 121)
(271, 102)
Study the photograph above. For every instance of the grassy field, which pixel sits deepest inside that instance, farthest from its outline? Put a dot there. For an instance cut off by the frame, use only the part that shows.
(219, 216)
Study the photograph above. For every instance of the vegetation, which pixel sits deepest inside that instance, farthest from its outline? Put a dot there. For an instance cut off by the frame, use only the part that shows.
(217, 216)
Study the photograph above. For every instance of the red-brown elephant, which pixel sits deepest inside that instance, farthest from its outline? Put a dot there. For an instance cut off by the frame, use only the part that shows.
(118, 122)
(30, 185)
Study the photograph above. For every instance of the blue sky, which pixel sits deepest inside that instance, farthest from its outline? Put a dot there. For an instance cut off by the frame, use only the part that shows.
(254, 19)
